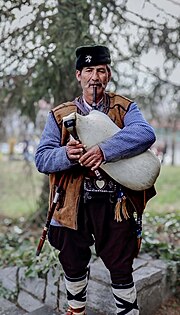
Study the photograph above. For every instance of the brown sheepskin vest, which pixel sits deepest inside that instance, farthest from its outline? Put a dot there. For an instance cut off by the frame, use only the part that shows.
(71, 180)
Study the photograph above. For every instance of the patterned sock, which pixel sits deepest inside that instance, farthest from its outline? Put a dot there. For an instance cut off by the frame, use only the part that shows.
(125, 298)
(76, 292)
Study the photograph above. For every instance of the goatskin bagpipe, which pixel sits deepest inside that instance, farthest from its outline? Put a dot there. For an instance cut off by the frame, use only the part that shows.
(137, 173)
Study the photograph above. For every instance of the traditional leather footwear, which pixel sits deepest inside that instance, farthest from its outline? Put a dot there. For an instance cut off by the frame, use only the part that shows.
(72, 311)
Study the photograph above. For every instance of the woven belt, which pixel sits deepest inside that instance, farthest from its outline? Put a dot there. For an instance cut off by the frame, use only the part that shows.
(92, 184)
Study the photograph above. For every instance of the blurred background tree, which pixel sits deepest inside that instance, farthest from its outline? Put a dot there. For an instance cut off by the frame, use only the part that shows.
(38, 40)
(37, 46)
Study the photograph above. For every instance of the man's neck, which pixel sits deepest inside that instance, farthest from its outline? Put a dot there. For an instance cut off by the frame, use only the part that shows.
(89, 100)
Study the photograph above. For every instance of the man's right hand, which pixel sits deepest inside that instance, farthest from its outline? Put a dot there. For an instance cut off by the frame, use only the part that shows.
(74, 149)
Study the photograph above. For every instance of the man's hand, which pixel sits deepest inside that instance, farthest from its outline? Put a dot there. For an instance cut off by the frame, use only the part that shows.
(74, 149)
(92, 158)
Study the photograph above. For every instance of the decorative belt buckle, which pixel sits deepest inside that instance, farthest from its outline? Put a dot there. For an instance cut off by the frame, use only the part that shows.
(95, 185)
(100, 184)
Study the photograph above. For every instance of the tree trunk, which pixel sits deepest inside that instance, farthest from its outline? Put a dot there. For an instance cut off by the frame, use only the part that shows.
(173, 143)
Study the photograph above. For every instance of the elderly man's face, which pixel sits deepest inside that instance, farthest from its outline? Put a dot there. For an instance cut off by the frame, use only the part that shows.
(98, 76)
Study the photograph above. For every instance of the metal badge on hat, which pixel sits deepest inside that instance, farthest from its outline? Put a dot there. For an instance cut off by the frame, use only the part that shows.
(88, 58)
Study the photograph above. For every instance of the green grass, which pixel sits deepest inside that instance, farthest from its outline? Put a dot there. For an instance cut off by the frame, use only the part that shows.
(168, 191)
(20, 186)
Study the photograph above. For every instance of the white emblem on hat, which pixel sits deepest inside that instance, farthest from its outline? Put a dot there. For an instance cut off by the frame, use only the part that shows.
(88, 58)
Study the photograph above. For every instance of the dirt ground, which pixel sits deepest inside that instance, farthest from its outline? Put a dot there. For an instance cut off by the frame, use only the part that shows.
(170, 307)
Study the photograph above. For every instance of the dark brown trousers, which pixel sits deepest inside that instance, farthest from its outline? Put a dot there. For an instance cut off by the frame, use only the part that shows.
(115, 242)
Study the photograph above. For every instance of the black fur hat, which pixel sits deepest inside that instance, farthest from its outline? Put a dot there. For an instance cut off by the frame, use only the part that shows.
(92, 56)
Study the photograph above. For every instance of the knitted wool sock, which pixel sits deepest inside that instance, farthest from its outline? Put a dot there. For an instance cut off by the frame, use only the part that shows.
(76, 292)
(125, 299)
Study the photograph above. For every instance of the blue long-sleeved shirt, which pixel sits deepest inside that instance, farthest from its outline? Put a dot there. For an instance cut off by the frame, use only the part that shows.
(136, 137)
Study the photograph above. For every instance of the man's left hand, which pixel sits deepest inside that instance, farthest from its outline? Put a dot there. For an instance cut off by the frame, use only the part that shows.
(92, 158)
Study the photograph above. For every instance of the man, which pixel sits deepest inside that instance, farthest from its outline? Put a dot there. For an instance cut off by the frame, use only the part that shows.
(87, 214)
